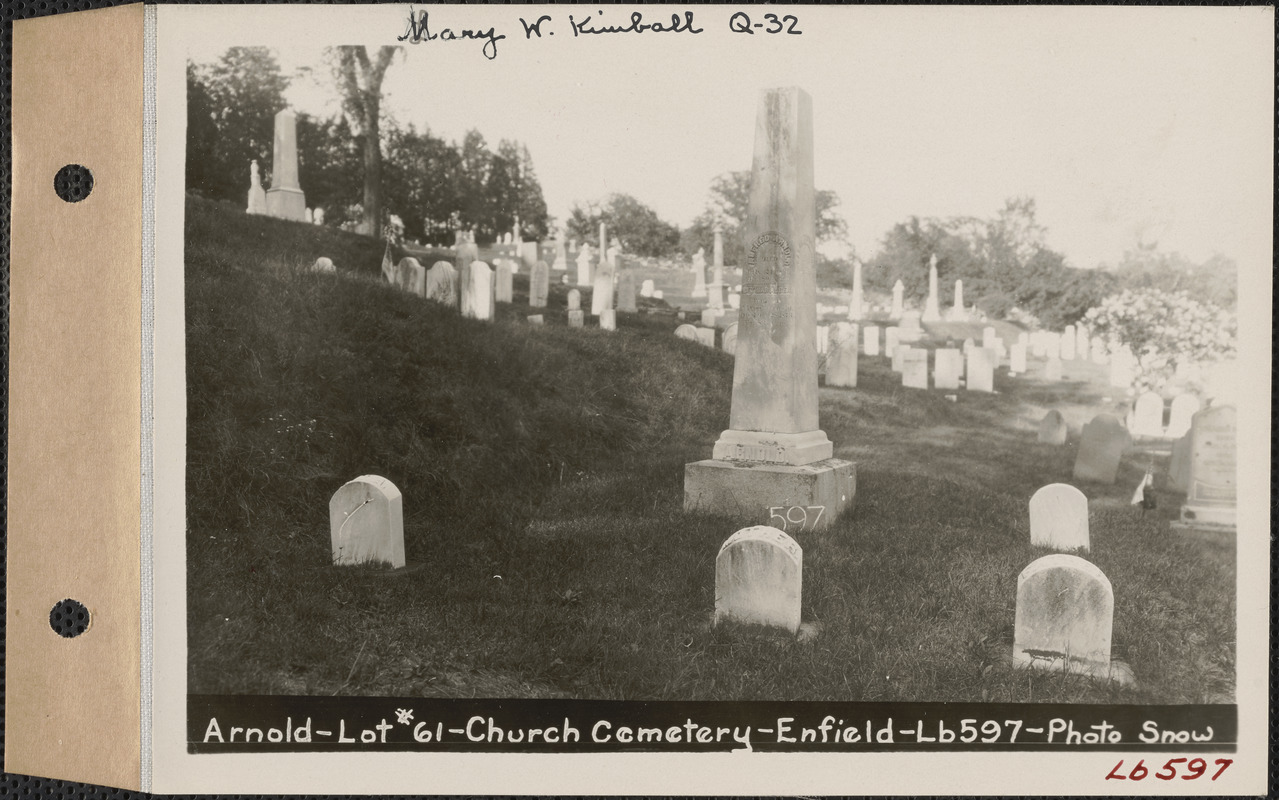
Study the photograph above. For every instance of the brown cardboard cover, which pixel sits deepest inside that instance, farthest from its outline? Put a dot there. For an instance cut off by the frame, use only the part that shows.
(72, 706)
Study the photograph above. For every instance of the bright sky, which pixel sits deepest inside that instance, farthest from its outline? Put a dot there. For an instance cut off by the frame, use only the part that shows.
(1124, 124)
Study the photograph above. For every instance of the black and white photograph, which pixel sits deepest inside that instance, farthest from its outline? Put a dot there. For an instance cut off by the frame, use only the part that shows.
(884, 360)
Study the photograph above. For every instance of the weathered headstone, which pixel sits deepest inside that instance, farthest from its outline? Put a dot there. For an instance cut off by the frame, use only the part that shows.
(536, 319)
(584, 271)
(602, 289)
(285, 199)
(1101, 444)
(897, 353)
(366, 523)
(257, 195)
(504, 285)
(774, 454)
(841, 364)
(687, 331)
(539, 285)
(481, 306)
(646, 288)
(576, 318)
(1059, 517)
(728, 340)
(441, 283)
(1210, 498)
(915, 368)
(892, 338)
(1065, 612)
(1148, 415)
(626, 294)
(759, 579)
(988, 337)
(981, 370)
(949, 368)
(706, 336)
(411, 276)
(1053, 428)
(323, 264)
(1179, 467)
(709, 315)
(574, 299)
(1184, 408)
(734, 301)
(870, 336)
(608, 320)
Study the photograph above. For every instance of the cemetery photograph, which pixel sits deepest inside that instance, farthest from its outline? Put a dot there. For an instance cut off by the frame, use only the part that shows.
(720, 366)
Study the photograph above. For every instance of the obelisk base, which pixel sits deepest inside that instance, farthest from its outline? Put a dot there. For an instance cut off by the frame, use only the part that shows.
(286, 204)
(809, 497)
(792, 449)
(1218, 518)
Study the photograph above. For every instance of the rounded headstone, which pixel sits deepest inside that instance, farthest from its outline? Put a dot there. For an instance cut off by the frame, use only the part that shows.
(366, 523)
(759, 579)
(1052, 428)
(1059, 518)
(1065, 613)
(1101, 444)
(686, 331)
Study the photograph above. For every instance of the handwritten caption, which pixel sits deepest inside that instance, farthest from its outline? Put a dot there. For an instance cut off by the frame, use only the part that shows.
(420, 30)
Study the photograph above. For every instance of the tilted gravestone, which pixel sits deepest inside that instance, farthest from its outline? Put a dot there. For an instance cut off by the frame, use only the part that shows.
(411, 276)
(759, 579)
(1102, 443)
(1065, 613)
(503, 280)
(1184, 407)
(539, 285)
(686, 331)
(949, 368)
(441, 283)
(981, 370)
(915, 368)
(870, 335)
(1059, 517)
(1210, 496)
(1052, 428)
(1148, 415)
(366, 523)
(773, 454)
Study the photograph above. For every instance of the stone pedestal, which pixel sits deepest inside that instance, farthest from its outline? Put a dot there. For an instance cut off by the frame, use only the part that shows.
(757, 492)
(286, 204)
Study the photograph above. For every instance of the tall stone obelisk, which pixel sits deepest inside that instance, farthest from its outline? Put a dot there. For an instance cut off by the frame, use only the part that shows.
(285, 198)
(957, 312)
(855, 307)
(774, 455)
(931, 311)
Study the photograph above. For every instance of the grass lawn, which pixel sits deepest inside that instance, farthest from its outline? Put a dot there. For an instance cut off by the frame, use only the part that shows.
(542, 474)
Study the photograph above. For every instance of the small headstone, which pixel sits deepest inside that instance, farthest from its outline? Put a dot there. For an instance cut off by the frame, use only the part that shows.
(441, 283)
(968, 345)
(576, 317)
(1148, 415)
(1059, 517)
(536, 319)
(1052, 428)
(709, 315)
(608, 319)
(949, 368)
(892, 338)
(759, 579)
(988, 337)
(728, 340)
(503, 289)
(539, 285)
(1184, 408)
(646, 288)
(481, 306)
(870, 335)
(1052, 369)
(657, 294)
(366, 523)
(915, 368)
(686, 331)
(323, 264)
(841, 364)
(1101, 444)
(706, 336)
(1179, 468)
(411, 277)
(1210, 498)
(1065, 610)
(981, 370)
(1017, 358)
(626, 292)
(574, 299)
(734, 300)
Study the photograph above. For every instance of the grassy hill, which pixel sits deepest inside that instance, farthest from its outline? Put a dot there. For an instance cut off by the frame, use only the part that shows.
(542, 474)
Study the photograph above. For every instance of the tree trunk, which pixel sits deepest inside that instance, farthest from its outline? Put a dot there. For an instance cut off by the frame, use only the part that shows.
(372, 166)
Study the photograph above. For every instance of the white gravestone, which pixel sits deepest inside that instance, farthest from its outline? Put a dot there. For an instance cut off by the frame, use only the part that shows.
(841, 364)
(646, 288)
(441, 283)
(536, 319)
(897, 353)
(1059, 518)
(412, 277)
(1184, 408)
(871, 334)
(257, 195)
(822, 339)
(988, 337)
(323, 264)
(366, 523)
(602, 289)
(1210, 498)
(709, 315)
(892, 338)
(504, 285)
(759, 579)
(584, 272)
(915, 368)
(981, 370)
(608, 320)
(481, 291)
(1148, 415)
(957, 312)
(1102, 443)
(539, 285)
(1017, 358)
(687, 332)
(706, 336)
(1052, 428)
(574, 300)
(1065, 613)
(949, 368)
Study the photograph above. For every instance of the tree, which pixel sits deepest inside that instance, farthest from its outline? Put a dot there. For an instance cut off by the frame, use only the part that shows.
(636, 226)
(231, 120)
(423, 185)
(729, 203)
(1147, 267)
(330, 156)
(360, 81)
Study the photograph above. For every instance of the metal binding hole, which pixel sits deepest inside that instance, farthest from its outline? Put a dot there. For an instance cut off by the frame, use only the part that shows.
(73, 183)
(69, 618)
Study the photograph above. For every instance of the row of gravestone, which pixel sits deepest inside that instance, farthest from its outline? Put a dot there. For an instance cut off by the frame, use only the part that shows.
(1147, 418)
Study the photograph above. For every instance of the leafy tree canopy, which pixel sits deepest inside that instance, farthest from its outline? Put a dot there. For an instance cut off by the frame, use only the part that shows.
(636, 225)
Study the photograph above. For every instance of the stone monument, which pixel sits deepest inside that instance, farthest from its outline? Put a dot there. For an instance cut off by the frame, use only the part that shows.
(931, 312)
(285, 198)
(257, 195)
(1210, 496)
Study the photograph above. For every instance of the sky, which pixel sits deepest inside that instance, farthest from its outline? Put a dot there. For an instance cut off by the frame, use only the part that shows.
(1126, 125)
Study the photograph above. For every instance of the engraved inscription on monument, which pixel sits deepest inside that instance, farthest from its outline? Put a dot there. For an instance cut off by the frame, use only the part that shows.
(767, 275)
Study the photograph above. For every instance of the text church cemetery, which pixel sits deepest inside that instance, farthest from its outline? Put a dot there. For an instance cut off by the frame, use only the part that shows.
(550, 468)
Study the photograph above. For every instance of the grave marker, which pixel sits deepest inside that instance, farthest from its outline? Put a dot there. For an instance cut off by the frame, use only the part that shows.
(1059, 517)
(257, 195)
(932, 313)
(1101, 444)
(323, 264)
(949, 368)
(1179, 468)
(441, 284)
(915, 368)
(1148, 415)
(759, 579)
(411, 277)
(841, 364)
(687, 331)
(898, 291)
(1065, 611)
(1210, 498)
(504, 287)
(285, 199)
(576, 318)
(574, 299)
(539, 285)
(481, 296)
(608, 320)
(871, 333)
(1184, 408)
(1053, 428)
(981, 370)
(366, 523)
(626, 292)
(706, 336)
